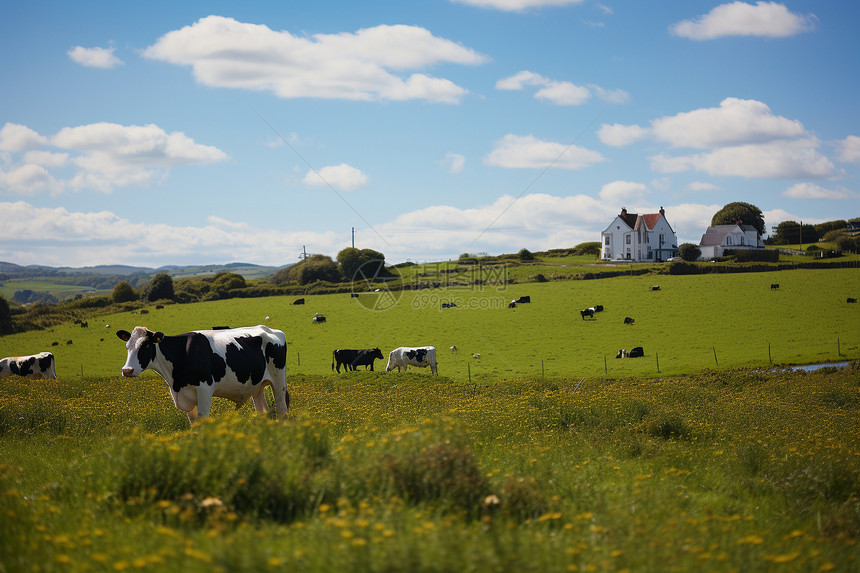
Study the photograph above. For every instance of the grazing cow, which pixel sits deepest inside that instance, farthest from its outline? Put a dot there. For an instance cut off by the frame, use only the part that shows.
(352, 358)
(637, 352)
(476, 356)
(318, 318)
(85, 324)
(449, 305)
(523, 299)
(512, 304)
(55, 343)
(598, 308)
(621, 353)
(353, 295)
(453, 349)
(852, 300)
(159, 306)
(299, 301)
(628, 320)
(36, 366)
(68, 342)
(589, 312)
(655, 288)
(404, 356)
(144, 311)
(236, 364)
(774, 286)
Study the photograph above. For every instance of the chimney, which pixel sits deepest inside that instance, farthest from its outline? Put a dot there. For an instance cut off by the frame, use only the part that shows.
(624, 212)
(662, 211)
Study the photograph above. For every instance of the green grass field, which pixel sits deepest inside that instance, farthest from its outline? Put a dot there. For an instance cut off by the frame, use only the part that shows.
(61, 291)
(736, 317)
(545, 454)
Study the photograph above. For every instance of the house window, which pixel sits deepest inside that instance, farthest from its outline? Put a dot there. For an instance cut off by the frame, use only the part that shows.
(606, 240)
(628, 239)
(742, 240)
(728, 240)
(662, 240)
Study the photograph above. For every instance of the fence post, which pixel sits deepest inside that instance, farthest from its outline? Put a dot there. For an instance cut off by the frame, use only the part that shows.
(299, 356)
(605, 368)
(769, 359)
(838, 347)
(657, 356)
(469, 370)
(541, 368)
(715, 356)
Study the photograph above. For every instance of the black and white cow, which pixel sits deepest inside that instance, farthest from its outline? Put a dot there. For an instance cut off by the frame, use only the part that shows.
(35, 366)
(236, 364)
(349, 359)
(421, 356)
(589, 312)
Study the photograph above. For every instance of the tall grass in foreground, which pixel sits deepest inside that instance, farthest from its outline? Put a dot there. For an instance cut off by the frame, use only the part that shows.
(738, 470)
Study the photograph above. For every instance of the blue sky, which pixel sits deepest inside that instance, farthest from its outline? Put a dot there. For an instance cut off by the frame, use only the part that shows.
(157, 133)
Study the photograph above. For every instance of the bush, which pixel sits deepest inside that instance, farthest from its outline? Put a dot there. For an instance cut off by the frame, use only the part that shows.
(750, 255)
(689, 252)
(160, 287)
(525, 255)
(123, 292)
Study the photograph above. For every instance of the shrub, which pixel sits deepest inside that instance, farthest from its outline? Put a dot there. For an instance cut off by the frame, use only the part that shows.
(160, 287)
(525, 255)
(689, 252)
(123, 292)
(750, 255)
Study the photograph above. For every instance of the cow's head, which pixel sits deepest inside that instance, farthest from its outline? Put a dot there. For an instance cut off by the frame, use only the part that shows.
(377, 353)
(141, 343)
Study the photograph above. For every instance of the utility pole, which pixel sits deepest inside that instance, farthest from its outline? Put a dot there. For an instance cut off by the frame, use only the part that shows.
(353, 237)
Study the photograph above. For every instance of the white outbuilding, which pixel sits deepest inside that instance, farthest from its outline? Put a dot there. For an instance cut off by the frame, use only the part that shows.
(639, 238)
(721, 238)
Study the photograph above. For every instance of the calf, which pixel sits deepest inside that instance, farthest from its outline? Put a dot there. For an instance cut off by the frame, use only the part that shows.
(352, 358)
(318, 319)
(774, 286)
(421, 356)
(852, 300)
(299, 301)
(589, 312)
(236, 364)
(637, 352)
(628, 320)
(34, 367)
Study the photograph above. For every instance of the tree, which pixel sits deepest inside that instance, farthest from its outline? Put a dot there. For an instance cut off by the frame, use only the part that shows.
(791, 233)
(369, 263)
(6, 326)
(123, 292)
(689, 251)
(313, 268)
(746, 213)
(525, 255)
(160, 287)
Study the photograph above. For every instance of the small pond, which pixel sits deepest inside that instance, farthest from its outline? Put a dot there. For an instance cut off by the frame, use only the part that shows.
(812, 367)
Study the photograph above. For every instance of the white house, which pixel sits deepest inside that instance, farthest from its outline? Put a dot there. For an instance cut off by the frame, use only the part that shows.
(633, 237)
(718, 239)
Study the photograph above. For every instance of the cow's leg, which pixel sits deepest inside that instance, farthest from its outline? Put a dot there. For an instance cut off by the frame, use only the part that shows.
(204, 400)
(192, 415)
(259, 398)
(282, 395)
(433, 368)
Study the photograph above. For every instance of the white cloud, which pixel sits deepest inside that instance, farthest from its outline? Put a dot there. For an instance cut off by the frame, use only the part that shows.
(849, 149)
(791, 159)
(559, 92)
(735, 121)
(764, 19)
(15, 137)
(94, 57)
(617, 135)
(454, 162)
(104, 156)
(702, 186)
(813, 191)
(621, 192)
(517, 151)
(365, 65)
(516, 5)
(342, 177)
(29, 179)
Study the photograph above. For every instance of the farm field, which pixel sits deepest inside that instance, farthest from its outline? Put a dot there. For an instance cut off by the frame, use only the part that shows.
(744, 470)
(692, 324)
(61, 291)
